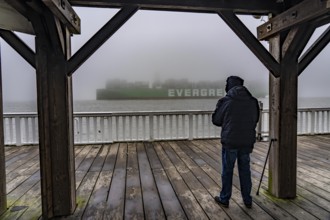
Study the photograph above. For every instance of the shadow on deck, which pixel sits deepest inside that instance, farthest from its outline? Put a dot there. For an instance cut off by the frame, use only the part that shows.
(174, 180)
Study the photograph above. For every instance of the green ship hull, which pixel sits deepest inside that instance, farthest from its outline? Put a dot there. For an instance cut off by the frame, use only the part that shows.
(154, 93)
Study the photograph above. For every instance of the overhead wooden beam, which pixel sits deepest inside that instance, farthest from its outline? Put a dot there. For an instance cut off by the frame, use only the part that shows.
(239, 6)
(11, 19)
(19, 46)
(298, 14)
(314, 50)
(99, 38)
(63, 10)
(20, 6)
(251, 41)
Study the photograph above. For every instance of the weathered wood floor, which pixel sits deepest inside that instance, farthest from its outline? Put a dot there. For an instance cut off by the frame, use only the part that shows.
(174, 180)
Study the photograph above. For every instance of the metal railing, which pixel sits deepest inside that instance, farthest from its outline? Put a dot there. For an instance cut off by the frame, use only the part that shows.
(108, 127)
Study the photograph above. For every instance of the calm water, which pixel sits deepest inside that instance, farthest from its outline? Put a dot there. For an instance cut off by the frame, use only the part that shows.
(152, 105)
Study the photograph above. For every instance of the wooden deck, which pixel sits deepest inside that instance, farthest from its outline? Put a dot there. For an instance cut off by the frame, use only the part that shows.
(169, 180)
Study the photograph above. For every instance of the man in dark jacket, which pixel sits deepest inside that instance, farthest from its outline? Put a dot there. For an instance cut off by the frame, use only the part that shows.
(237, 114)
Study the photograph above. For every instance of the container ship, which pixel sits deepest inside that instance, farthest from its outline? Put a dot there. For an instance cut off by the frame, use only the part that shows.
(170, 89)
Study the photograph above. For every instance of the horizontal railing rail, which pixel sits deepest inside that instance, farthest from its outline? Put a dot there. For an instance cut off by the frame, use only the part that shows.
(108, 127)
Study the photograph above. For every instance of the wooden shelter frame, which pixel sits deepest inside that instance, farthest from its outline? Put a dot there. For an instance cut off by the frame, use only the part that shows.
(291, 25)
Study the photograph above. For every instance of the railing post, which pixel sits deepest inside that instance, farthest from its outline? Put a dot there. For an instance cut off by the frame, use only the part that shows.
(259, 127)
(313, 115)
(18, 131)
(190, 126)
(151, 127)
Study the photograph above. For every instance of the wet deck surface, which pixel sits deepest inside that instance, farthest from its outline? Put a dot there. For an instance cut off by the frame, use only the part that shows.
(169, 180)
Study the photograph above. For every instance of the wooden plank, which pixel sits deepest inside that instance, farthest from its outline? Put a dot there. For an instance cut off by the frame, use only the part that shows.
(86, 159)
(151, 199)
(322, 204)
(133, 200)
(198, 165)
(24, 169)
(189, 203)
(86, 164)
(19, 155)
(206, 184)
(306, 182)
(22, 160)
(33, 212)
(110, 160)
(100, 158)
(24, 187)
(28, 200)
(84, 193)
(97, 202)
(116, 196)
(11, 150)
(82, 155)
(171, 204)
(313, 211)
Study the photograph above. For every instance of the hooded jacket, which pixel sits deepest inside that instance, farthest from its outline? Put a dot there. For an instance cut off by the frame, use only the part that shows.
(238, 114)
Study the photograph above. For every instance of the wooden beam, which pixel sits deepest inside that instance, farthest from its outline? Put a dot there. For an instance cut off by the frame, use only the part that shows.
(250, 41)
(238, 6)
(3, 194)
(11, 19)
(283, 127)
(20, 6)
(296, 41)
(55, 118)
(314, 50)
(100, 37)
(19, 46)
(283, 93)
(64, 11)
(298, 14)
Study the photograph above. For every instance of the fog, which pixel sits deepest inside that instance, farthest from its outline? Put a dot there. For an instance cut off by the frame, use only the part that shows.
(162, 45)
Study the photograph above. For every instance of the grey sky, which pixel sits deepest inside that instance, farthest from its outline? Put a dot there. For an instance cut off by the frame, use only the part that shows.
(163, 44)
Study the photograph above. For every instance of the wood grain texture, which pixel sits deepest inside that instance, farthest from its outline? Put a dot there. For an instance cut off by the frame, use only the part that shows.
(172, 180)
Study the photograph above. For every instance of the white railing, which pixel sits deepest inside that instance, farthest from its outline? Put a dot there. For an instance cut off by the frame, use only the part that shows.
(108, 127)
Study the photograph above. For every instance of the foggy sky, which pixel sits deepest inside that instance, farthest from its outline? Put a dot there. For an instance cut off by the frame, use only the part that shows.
(158, 44)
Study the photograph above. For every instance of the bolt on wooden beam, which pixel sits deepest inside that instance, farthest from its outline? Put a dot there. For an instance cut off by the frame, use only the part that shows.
(298, 14)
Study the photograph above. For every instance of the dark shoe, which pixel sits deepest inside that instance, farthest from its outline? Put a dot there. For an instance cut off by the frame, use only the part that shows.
(223, 204)
(248, 205)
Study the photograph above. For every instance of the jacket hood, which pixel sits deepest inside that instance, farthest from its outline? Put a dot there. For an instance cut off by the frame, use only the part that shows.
(239, 92)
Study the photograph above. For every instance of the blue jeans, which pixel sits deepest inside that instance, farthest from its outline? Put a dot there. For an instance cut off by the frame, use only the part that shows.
(228, 162)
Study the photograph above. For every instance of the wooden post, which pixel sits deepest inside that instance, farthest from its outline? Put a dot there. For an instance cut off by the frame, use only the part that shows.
(55, 114)
(283, 125)
(3, 198)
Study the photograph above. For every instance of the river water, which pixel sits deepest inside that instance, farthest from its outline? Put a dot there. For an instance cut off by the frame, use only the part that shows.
(153, 105)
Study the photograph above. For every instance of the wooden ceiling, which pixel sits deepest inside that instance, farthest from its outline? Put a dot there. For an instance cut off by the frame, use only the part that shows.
(238, 6)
